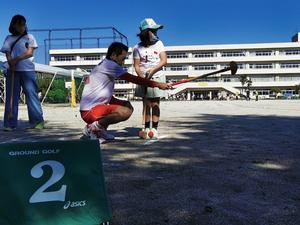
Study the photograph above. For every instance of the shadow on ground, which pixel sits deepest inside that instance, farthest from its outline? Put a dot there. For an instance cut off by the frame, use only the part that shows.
(53, 131)
(209, 169)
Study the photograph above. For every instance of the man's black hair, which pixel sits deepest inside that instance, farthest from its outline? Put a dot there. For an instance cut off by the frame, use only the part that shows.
(17, 19)
(116, 48)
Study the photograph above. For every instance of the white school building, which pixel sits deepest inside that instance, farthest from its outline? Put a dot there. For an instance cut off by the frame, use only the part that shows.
(268, 66)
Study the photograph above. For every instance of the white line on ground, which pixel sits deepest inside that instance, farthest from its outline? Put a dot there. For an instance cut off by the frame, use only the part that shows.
(151, 141)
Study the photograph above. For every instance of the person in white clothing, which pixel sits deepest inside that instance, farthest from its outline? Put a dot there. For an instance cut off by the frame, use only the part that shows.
(149, 58)
(98, 107)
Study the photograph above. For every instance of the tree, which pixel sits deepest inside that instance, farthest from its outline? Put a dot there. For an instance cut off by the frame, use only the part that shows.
(275, 90)
(58, 92)
(243, 80)
(249, 83)
(56, 96)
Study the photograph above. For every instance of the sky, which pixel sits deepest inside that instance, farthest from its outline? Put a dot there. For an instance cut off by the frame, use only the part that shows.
(188, 22)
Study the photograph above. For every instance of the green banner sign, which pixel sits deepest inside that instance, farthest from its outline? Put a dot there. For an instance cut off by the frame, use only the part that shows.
(52, 183)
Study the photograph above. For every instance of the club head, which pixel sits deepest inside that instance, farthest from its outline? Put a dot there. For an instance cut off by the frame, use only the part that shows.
(233, 67)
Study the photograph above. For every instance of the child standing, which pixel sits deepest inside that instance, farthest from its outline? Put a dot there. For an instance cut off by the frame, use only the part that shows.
(19, 48)
(149, 58)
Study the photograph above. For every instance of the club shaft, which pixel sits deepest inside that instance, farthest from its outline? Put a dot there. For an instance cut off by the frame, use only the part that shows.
(201, 76)
(11, 100)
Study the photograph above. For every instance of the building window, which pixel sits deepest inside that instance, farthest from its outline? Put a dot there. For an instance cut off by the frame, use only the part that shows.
(288, 92)
(292, 52)
(264, 92)
(263, 53)
(226, 79)
(65, 58)
(233, 54)
(263, 79)
(204, 55)
(121, 93)
(176, 68)
(177, 55)
(119, 81)
(240, 66)
(205, 67)
(92, 57)
(261, 66)
(289, 78)
(290, 65)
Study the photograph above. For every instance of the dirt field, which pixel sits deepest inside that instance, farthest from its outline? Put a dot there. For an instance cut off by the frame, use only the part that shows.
(225, 163)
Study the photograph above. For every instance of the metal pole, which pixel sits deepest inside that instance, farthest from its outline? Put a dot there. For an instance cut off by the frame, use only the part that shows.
(114, 34)
(80, 37)
(49, 37)
(49, 88)
(46, 54)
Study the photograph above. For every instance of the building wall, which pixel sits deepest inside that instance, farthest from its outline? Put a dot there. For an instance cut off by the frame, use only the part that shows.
(268, 65)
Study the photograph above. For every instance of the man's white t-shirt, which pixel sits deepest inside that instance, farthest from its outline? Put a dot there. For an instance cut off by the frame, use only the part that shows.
(149, 56)
(99, 86)
(19, 49)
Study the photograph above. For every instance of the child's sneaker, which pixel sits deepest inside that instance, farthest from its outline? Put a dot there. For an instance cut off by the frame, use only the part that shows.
(143, 133)
(153, 133)
(8, 129)
(39, 125)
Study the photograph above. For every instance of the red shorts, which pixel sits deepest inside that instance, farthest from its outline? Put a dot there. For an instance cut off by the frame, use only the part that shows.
(102, 110)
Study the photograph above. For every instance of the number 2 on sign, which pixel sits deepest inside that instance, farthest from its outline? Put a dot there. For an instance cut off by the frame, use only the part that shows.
(58, 171)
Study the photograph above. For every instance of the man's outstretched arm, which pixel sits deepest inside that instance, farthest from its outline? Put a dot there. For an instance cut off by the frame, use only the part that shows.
(142, 81)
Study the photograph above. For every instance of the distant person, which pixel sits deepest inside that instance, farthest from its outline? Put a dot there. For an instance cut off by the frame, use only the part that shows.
(237, 95)
(98, 107)
(193, 96)
(256, 95)
(19, 48)
(149, 57)
(248, 95)
(201, 96)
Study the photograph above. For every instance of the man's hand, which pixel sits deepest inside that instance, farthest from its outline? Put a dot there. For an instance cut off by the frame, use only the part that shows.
(164, 86)
(12, 64)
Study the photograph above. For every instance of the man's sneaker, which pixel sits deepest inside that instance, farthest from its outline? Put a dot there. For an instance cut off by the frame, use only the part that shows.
(153, 133)
(105, 135)
(88, 133)
(94, 131)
